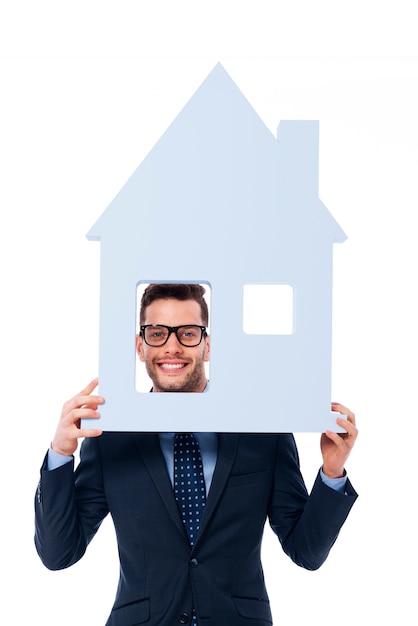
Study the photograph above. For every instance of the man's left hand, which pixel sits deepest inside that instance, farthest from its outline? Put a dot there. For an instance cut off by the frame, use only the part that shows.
(336, 447)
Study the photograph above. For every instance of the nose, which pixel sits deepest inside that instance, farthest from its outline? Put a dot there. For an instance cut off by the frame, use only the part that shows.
(173, 345)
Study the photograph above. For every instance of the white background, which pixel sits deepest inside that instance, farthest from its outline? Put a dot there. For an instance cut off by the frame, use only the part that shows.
(86, 90)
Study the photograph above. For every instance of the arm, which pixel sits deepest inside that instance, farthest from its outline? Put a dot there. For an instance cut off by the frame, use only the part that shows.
(310, 541)
(308, 525)
(65, 517)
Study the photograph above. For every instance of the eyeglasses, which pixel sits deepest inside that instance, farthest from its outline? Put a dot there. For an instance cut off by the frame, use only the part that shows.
(157, 335)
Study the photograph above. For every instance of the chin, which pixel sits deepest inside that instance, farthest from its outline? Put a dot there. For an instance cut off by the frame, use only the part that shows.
(171, 385)
(187, 386)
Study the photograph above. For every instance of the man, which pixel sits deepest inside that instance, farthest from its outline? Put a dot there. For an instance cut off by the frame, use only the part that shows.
(172, 572)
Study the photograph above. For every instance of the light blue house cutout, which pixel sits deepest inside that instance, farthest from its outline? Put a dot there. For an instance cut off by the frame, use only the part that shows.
(260, 221)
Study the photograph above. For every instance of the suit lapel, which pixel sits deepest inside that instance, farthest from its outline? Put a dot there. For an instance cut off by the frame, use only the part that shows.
(227, 448)
(150, 449)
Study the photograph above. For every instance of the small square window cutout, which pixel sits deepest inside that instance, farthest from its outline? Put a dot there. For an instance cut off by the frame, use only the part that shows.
(268, 310)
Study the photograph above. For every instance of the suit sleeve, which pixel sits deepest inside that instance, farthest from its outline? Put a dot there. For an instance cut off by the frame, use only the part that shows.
(306, 525)
(69, 508)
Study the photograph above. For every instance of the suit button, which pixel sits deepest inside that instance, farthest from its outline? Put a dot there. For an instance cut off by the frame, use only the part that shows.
(194, 562)
(184, 618)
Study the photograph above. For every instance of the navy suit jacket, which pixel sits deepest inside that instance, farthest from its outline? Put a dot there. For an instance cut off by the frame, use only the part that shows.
(256, 478)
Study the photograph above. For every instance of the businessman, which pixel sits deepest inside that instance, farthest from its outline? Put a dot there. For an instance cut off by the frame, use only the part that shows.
(189, 509)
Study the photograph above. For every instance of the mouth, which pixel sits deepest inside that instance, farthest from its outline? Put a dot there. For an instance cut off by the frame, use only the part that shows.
(171, 367)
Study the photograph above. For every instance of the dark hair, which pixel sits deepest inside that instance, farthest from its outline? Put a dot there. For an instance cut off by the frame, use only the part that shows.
(178, 292)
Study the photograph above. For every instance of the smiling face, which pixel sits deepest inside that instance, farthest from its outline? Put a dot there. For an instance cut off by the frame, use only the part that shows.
(173, 367)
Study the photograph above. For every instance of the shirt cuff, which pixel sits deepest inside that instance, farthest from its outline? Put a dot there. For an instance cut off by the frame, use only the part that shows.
(55, 460)
(338, 484)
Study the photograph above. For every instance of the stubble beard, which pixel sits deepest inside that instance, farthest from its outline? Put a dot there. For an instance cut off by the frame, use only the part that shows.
(194, 381)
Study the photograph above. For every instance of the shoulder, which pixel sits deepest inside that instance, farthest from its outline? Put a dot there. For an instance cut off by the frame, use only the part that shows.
(268, 441)
(267, 449)
(108, 443)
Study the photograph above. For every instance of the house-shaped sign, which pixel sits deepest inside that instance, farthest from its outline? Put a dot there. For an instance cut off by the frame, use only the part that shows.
(220, 201)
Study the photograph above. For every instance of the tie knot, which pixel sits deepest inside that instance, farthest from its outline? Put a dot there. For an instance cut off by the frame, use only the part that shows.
(185, 439)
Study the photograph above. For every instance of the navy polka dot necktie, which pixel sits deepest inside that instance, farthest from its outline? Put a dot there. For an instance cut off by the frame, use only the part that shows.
(189, 483)
(189, 487)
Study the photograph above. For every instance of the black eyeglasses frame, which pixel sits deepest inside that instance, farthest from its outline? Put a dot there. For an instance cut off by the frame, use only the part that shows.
(173, 329)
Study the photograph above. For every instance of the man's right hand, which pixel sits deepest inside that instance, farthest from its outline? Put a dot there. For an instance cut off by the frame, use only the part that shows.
(82, 405)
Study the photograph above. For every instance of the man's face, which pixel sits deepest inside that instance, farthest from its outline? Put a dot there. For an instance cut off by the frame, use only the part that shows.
(173, 367)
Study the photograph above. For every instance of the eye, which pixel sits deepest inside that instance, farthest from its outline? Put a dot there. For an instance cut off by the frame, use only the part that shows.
(188, 333)
(156, 333)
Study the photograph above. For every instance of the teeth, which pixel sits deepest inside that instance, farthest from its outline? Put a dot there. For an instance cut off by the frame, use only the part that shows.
(172, 366)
